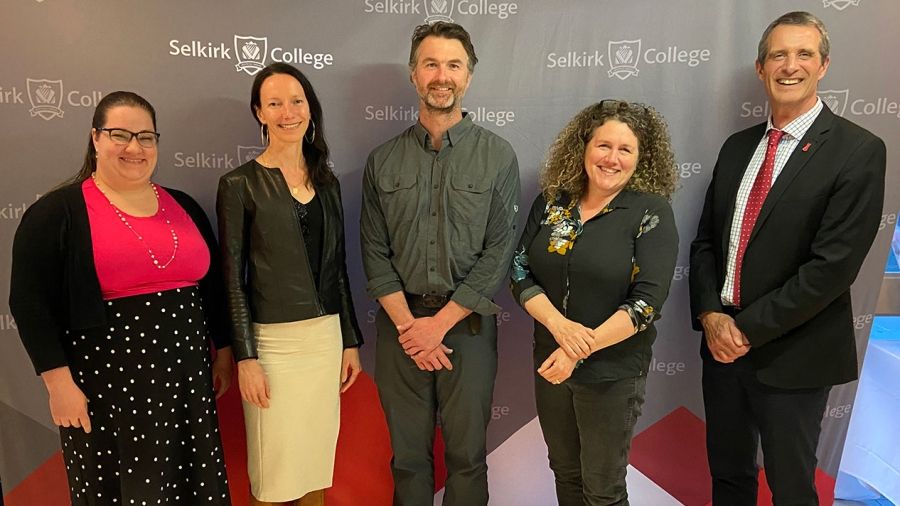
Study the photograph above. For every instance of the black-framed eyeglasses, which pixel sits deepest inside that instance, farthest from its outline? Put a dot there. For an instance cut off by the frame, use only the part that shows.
(121, 136)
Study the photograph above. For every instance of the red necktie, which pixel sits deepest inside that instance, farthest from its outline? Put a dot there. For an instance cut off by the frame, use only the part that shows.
(754, 203)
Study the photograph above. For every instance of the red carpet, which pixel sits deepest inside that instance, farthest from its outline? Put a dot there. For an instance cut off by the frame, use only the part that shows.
(672, 453)
(46, 485)
(362, 473)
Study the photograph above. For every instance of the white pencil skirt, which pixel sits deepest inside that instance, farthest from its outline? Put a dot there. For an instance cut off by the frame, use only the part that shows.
(291, 444)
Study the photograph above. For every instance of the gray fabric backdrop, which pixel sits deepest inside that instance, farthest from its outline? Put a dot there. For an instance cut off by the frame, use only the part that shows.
(540, 62)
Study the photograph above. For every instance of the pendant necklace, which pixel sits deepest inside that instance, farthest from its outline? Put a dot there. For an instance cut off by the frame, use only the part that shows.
(162, 211)
(295, 190)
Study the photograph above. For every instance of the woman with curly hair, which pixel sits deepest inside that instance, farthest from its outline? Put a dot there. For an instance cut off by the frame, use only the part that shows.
(593, 269)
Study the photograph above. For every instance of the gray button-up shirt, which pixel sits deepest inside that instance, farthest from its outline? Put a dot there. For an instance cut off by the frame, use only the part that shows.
(440, 221)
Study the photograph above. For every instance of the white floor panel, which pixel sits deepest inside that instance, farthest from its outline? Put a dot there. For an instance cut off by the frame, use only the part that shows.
(519, 475)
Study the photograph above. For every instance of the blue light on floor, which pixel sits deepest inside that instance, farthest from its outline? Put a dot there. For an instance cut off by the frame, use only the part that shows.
(892, 265)
(885, 328)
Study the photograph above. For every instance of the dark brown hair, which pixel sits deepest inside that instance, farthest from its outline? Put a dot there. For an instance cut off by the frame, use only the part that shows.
(316, 153)
(444, 30)
(114, 99)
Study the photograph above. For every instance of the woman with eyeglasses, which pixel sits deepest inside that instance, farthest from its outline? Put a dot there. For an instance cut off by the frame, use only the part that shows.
(116, 292)
(295, 333)
(593, 269)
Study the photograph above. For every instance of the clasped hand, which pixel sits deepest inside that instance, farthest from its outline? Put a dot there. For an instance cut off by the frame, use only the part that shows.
(558, 367)
(724, 339)
(572, 337)
(422, 339)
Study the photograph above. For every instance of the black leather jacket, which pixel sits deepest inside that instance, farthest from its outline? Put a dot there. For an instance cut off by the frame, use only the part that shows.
(264, 261)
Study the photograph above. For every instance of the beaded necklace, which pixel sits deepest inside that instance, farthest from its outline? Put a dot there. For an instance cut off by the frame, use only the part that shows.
(162, 211)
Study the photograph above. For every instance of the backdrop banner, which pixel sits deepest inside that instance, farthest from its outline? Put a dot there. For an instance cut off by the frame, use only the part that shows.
(539, 63)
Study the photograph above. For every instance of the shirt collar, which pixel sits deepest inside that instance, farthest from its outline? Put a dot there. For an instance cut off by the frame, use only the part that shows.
(623, 200)
(453, 135)
(798, 127)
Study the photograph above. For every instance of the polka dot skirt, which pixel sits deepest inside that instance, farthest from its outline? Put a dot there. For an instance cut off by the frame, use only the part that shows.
(155, 436)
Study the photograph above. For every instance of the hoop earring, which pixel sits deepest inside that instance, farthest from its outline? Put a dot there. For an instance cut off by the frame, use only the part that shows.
(313, 125)
(264, 135)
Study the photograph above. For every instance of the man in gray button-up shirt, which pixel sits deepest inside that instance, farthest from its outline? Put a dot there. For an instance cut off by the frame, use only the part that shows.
(437, 231)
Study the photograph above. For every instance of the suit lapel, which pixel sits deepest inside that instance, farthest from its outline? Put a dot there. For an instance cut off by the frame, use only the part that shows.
(803, 153)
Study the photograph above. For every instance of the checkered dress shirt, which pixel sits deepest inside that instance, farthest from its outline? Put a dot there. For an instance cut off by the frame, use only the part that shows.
(793, 132)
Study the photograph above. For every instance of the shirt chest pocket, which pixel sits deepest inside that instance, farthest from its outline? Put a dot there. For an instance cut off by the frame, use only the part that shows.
(469, 199)
(399, 197)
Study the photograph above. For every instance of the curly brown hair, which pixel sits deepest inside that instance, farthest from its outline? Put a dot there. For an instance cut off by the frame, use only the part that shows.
(564, 173)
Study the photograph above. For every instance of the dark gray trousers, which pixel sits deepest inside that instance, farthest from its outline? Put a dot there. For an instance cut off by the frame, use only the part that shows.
(413, 398)
(588, 429)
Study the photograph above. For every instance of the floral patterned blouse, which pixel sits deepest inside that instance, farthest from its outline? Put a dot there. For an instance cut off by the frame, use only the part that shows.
(622, 258)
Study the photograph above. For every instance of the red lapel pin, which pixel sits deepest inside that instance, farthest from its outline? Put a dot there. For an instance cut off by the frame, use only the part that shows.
(806, 147)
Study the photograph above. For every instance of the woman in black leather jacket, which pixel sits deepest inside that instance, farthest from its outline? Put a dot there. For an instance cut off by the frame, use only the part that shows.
(294, 328)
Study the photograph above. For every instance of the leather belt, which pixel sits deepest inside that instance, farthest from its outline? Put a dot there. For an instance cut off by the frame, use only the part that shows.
(433, 302)
(428, 301)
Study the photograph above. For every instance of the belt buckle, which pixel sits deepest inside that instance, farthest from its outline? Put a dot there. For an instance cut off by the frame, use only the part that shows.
(433, 301)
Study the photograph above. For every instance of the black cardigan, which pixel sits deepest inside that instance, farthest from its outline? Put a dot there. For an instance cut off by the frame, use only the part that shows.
(54, 286)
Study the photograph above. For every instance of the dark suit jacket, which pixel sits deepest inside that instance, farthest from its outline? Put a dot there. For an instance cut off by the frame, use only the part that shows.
(812, 235)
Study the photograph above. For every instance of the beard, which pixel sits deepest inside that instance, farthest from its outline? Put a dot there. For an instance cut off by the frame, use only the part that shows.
(443, 104)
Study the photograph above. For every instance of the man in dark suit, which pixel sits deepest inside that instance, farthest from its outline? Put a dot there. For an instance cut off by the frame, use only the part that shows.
(790, 213)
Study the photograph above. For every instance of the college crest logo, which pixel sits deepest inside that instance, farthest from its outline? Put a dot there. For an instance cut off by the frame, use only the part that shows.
(836, 100)
(247, 153)
(840, 4)
(46, 98)
(250, 53)
(623, 58)
(438, 10)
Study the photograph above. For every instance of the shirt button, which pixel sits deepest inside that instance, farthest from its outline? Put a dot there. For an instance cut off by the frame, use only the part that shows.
(470, 185)
(396, 185)
(431, 241)
(431, 269)
(433, 213)
(435, 187)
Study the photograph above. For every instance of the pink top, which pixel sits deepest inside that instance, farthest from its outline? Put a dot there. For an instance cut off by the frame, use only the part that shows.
(124, 265)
